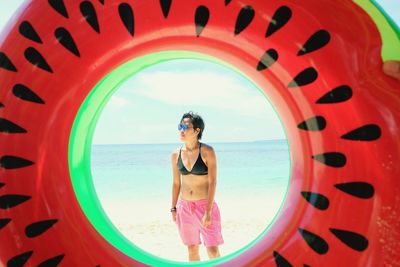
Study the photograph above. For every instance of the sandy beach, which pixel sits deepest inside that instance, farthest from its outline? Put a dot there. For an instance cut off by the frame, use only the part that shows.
(155, 232)
(133, 183)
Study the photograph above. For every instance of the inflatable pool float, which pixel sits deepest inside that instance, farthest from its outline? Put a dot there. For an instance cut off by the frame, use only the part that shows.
(319, 63)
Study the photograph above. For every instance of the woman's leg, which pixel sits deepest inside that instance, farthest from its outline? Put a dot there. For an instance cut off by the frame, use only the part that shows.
(213, 252)
(194, 254)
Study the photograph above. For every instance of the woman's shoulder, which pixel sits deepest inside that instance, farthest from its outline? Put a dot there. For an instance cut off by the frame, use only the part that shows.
(175, 152)
(206, 148)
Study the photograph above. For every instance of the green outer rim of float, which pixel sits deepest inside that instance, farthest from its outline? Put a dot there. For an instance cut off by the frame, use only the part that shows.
(80, 151)
(388, 29)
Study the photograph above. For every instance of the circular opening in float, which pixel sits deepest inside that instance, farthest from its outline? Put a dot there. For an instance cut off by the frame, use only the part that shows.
(124, 187)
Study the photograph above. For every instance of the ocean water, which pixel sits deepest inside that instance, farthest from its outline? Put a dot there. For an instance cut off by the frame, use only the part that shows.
(134, 185)
(143, 171)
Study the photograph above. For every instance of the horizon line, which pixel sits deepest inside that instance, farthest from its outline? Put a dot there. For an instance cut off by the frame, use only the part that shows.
(215, 142)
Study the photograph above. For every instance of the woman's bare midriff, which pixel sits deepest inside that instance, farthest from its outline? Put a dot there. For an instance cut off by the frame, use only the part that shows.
(194, 187)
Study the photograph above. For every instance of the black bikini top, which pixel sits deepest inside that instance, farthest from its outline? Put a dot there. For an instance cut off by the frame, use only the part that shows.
(199, 168)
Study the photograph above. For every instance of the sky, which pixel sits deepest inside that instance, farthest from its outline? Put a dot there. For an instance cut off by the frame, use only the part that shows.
(148, 106)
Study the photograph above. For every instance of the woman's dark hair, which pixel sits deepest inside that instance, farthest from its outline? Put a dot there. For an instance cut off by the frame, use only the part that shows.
(197, 122)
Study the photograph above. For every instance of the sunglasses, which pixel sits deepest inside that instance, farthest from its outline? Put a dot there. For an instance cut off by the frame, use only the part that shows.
(183, 126)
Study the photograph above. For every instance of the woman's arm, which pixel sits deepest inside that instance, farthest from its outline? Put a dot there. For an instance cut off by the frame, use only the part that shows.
(212, 178)
(176, 183)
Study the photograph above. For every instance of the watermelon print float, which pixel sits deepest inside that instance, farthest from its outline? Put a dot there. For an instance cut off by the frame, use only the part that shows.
(320, 64)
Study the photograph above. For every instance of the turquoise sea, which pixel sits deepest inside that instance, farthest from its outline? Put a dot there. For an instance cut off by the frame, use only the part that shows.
(143, 171)
(134, 184)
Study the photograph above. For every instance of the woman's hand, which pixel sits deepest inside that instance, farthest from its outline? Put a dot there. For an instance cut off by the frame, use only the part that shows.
(392, 68)
(173, 213)
(206, 220)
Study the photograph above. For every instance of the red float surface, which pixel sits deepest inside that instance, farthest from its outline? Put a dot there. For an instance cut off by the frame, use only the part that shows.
(363, 129)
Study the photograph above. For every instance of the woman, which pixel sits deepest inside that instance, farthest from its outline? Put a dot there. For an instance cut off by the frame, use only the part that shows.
(194, 182)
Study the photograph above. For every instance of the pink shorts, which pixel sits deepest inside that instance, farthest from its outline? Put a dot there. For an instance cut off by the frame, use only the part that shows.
(188, 220)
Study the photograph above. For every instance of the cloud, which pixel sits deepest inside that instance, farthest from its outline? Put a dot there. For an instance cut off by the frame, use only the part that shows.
(117, 101)
(201, 89)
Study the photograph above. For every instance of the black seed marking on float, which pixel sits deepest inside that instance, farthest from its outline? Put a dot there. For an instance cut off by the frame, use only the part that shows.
(1, 105)
(268, 59)
(36, 59)
(127, 17)
(66, 40)
(6, 63)
(317, 200)
(2, 184)
(227, 2)
(337, 95)
(201, 18)
(11, 162)
(165, 6)
(353, 240)
(333, 159)
(101, 1)
(280, 261)
(4, 222)
(19, 260)
(52, 262)
(315, 42)
(26, 29)
(7, 126)
(59, 6)
(24, 93)
(369, 132)
(244, 18)
(10, 201)
(38, 228)
(316, 123)
(279, 19)
(305, 77)
(89, 13)
(357, 189)
(315, 242)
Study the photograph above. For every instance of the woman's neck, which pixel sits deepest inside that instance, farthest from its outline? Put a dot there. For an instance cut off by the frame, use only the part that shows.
(192, 145)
